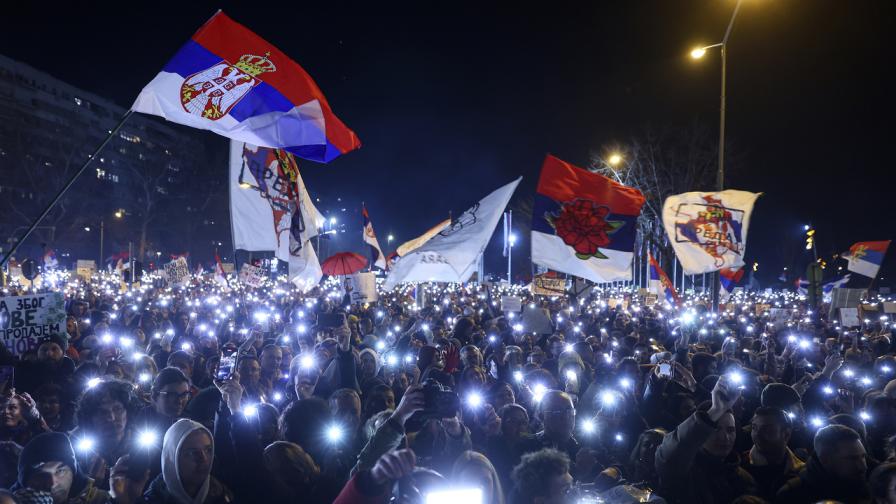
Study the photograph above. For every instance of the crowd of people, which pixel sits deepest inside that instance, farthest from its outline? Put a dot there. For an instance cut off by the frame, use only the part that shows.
(211, 393)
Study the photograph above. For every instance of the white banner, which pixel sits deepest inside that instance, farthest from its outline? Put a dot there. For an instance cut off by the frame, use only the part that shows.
(253, 276)
(709, 230)
(452, 254)
(25, 320)
(363, 287)
(177, 272)
(511, 304)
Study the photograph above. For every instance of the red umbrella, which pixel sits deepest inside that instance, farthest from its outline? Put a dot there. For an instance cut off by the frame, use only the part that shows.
(343, 263)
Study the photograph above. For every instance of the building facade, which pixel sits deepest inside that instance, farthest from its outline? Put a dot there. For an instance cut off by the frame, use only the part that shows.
(154, 184)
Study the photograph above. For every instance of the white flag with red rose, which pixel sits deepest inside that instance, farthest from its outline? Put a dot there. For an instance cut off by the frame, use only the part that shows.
(583, 223)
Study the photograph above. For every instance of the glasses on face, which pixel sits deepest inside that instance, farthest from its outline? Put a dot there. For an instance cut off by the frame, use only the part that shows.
(174, 396)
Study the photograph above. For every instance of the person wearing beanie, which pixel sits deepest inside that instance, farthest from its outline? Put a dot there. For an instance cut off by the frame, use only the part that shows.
(48, 464)
(51, 367)
(188, 452)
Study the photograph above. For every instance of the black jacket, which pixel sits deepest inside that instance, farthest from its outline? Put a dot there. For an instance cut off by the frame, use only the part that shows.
(815, 484)
(689, 475)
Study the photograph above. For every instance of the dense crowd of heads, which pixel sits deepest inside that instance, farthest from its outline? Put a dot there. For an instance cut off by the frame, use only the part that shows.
(211, 393)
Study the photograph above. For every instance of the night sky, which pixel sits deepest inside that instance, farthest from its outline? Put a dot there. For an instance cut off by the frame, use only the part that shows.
(452, 100)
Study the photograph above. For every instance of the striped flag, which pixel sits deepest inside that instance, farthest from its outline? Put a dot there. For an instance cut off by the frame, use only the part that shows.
(379, 260)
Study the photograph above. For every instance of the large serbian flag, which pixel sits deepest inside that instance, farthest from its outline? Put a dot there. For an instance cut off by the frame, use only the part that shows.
(865, 258)
(583, 223)
(660, 283)
(229, 80)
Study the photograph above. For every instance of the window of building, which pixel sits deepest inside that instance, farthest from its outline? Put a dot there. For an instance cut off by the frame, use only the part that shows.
(129, 137)
(78, 101)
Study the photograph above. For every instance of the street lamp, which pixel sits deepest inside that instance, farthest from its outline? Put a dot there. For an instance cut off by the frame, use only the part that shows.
(614, 159)
(698, 53)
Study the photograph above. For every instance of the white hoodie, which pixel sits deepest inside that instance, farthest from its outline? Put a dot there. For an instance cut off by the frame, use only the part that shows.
(174, 439)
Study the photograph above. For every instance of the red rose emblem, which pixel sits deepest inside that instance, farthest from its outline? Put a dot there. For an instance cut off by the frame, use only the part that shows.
(582, 225)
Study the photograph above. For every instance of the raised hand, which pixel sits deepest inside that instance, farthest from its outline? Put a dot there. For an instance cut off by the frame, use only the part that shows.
(392, 466)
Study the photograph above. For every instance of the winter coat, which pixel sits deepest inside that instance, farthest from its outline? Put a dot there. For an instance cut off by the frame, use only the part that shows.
(770, 478)
(689, 475)
(158, 493)
(814, 484)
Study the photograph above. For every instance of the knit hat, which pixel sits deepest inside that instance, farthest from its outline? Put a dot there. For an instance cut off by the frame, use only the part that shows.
(49, 447)
(779, 395)
(59, 339)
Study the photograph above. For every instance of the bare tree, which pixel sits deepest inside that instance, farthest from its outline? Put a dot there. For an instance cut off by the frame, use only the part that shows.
(660, 163)
(36, 167)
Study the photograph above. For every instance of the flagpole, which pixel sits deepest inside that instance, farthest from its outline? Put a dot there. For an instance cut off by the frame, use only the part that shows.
(62, 191)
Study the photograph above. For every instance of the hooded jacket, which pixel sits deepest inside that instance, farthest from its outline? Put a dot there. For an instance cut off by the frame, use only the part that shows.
(56, 447)
(168, 487)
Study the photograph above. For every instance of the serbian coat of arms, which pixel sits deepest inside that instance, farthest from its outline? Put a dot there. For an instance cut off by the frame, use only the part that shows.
(213, 92)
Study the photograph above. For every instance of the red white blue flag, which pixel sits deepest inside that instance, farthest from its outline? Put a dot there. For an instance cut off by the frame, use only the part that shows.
(583, 223)
(379, 260)
(228, 80)
(729, 278)
(865, 258)
(660, 283)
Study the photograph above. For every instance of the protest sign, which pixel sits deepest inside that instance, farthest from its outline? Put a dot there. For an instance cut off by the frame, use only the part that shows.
(849, 317)
(537, 320)
(253, 276)
(363, 287)
(177, 272)
(25, 320)
(650, 299)
(761, 308)
(511, 303)
(889, 307)
(228, 267)
(546, 286)
(85, 269)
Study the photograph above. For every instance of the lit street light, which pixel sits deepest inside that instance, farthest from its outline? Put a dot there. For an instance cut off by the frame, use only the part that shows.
(614, 159)
(698, 53)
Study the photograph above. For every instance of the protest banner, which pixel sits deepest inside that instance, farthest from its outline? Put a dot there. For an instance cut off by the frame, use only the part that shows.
(511, 303)
(759, 309)
(228, 268)
(363, 287)
(849, 317)
(537, 320)
(546, 286)
(889, 307)
(253, 276)
(177, 272)
(85, 269)
(650, 299)
(24, 320)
